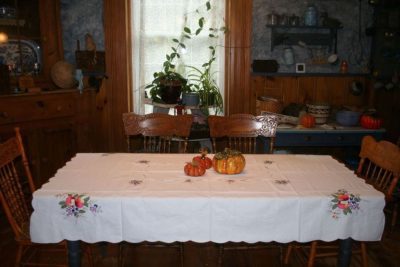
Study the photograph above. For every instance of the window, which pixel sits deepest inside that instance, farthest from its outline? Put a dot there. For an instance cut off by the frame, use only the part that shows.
(155, 23)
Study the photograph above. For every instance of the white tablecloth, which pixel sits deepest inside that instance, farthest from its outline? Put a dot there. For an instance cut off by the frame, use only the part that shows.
(147, 197)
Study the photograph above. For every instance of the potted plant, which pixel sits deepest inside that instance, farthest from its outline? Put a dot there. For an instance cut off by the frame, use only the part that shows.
(168, 84)
(203, 80)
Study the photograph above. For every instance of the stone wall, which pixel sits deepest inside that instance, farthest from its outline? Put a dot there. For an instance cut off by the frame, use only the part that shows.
(351, 46)
(77, 19)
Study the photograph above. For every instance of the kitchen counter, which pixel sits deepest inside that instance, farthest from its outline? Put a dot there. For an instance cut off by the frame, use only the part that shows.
(324, 135)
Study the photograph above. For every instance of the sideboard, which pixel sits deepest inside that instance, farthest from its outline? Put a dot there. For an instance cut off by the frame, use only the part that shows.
(54, 126)
(340, 142)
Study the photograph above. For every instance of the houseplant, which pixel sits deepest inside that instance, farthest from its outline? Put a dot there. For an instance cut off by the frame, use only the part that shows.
(200, 81)
(203, 80)
(168, 84)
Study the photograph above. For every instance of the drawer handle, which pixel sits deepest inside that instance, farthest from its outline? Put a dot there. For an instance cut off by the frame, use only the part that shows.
(4, 115)
(40, 104)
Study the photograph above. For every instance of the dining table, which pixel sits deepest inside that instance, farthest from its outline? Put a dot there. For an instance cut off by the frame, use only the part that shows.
(136, 197)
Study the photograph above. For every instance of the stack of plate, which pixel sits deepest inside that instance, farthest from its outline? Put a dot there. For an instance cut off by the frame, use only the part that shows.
(319, 111)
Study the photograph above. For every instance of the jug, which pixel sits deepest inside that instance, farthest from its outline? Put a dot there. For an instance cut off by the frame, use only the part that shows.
(310, 16)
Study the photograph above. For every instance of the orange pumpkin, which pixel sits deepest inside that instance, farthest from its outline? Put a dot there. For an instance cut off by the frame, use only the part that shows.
(229, 162)
(370, 122)
(307, 121)
(194, 169)
(203, 160)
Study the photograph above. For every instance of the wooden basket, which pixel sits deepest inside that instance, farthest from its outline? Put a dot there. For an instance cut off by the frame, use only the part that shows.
(268, 104)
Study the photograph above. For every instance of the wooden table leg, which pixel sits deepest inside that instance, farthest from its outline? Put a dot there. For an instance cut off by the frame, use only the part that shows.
(344, 258)
(74, 253)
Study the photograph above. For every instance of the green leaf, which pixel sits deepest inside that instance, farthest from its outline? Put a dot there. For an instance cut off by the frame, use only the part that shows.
(208, 5)
(168, 57)
(198, 31)
(211, 35)
(175, 40)
(186, 29)
(186, 36)
(334, 206)
(173, 49)
(205, 65)
(182, 45)
(201, 22)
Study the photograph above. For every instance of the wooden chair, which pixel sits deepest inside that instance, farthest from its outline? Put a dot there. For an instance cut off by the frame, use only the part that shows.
(242, 130)
(379, 166)
(14, 168)
(158, 131)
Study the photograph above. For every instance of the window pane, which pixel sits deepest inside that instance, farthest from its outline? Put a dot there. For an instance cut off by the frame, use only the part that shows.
(155, 23)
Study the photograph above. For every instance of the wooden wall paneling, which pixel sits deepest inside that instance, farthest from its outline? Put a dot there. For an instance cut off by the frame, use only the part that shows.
(361, 100)
(118, 69)
(273, 88)
(239, 96)
(257, 86)
(87, 136)
(290, 90)
(306, 89)
(322, 89)
(51, 36)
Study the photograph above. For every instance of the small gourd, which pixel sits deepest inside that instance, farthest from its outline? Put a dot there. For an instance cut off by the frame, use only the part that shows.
(194, 169)
(203, 160)
(307, 121)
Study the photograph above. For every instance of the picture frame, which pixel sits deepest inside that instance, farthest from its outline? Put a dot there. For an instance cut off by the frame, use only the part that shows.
(300, 67)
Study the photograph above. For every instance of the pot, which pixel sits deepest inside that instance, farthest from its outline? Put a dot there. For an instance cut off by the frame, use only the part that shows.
(190, 99)
(356, 88)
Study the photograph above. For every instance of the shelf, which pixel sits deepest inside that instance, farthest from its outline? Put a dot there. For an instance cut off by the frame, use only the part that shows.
(309, 35)
(12, 22)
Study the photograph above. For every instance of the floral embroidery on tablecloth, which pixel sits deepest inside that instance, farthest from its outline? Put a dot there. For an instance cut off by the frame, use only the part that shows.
(77, 205)
(344, 203)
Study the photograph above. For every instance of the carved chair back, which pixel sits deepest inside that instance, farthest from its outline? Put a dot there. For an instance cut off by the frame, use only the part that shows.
(158, 131)
(380, 165)
(242, 130)
(13, 169)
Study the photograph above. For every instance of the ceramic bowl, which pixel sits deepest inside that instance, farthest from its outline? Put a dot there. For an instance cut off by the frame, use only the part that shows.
(348, 118)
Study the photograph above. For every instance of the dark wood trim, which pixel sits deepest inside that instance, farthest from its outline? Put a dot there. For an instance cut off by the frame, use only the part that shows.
(118, 69)
(238, 94)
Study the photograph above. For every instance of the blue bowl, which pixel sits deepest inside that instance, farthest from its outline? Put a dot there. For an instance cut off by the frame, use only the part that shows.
(348, 118)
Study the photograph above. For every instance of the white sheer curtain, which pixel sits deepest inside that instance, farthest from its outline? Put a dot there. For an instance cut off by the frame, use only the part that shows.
(155, 23)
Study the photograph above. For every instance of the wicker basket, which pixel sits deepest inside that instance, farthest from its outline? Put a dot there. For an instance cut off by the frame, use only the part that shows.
(269, 104)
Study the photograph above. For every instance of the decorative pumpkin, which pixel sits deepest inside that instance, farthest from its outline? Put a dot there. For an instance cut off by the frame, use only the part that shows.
(307, 121)
(203, 160)
(370, 122)
(229, 162)
(194, 169)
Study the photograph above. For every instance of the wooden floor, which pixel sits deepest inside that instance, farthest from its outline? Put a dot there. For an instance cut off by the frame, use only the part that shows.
(381, 254)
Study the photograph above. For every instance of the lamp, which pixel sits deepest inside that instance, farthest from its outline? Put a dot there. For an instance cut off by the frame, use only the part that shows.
(3, 37)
